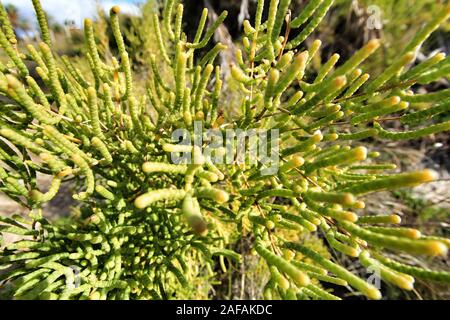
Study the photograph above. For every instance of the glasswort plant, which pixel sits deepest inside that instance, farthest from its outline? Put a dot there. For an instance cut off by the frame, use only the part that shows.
(145, 227)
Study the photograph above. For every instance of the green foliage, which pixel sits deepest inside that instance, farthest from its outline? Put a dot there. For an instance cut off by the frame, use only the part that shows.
(146, 228)
(351, 23)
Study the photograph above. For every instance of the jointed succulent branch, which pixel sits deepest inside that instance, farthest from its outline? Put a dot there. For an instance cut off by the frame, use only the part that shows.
(146, 227)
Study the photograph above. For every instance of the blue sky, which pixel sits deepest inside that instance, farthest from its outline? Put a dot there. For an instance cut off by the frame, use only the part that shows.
(76, 10)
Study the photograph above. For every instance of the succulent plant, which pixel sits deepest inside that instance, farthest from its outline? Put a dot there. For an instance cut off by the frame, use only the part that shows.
(146, 227)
